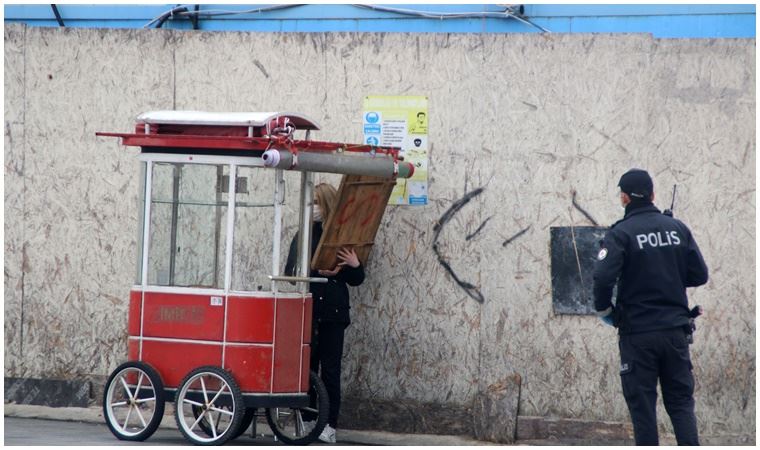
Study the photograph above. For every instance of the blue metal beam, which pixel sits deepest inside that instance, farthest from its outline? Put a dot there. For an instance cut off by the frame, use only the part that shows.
(671, 21)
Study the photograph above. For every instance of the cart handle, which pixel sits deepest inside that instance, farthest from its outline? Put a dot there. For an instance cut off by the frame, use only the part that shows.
(295, 279)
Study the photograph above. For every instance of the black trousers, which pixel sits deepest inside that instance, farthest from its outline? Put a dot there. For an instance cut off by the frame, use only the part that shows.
(326, 355)
(645, 358)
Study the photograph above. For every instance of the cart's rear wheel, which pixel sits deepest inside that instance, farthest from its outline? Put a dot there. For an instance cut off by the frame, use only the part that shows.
(289, 425)
(209, 394)
(133, 401)
(248, 417)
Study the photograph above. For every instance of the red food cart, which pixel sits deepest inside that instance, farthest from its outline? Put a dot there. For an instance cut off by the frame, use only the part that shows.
(210, 327)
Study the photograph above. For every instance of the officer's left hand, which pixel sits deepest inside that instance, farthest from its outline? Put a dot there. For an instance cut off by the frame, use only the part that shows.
(608, 320)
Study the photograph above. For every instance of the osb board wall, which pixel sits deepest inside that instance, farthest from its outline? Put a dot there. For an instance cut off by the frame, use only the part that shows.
(518, 122)
(72, 215)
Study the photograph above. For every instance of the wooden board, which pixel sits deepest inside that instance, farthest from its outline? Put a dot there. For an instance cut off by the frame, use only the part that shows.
(359, 210)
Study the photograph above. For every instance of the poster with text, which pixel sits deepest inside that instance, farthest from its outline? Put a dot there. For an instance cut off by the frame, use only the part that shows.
(401, 121)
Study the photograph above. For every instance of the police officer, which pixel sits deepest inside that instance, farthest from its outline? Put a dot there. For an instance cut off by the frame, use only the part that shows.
(653, 258)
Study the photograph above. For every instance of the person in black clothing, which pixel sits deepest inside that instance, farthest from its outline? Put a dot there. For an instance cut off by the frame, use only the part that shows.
(330, 305)
(653, 258)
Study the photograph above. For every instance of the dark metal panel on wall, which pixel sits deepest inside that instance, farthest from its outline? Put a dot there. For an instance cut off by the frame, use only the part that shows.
(573, 252)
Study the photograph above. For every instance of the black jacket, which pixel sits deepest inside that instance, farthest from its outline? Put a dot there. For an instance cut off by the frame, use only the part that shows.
(330, 299)
(654, 258)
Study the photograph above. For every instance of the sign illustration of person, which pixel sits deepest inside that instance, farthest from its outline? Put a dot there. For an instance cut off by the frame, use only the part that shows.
(420, 126)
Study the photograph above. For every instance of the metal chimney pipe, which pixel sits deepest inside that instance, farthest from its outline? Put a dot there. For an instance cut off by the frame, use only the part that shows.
(379, 166)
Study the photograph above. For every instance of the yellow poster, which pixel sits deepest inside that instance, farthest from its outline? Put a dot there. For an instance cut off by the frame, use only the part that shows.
(401, 121)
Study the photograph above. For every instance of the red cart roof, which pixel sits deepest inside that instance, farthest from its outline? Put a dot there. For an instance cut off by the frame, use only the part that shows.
(255, 119)
(235, 134)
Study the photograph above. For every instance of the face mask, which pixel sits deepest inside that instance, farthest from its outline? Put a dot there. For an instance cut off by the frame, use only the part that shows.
(620, 199)
(316, 213)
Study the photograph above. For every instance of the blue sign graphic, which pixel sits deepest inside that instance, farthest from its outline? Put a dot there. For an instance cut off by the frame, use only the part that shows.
(372, 117)
(371, 129)
(372, 140)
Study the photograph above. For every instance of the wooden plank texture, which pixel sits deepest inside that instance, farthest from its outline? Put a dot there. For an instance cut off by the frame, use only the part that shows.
(358, 212)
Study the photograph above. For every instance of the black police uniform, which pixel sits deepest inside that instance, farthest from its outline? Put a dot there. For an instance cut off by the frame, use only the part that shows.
(330, 317)
(653, 258)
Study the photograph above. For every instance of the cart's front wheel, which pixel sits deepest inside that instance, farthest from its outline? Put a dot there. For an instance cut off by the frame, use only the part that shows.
(302, 426)
(133, 401)
(209, 406)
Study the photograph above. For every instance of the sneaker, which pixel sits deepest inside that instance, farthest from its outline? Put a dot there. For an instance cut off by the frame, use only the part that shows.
(328, 435)
(308, 426)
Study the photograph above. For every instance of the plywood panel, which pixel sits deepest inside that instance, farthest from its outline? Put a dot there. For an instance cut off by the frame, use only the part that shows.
(13, 182)
(361, 204)
(80, 206)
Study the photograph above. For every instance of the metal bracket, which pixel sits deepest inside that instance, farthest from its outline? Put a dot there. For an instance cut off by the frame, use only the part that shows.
(297, 279)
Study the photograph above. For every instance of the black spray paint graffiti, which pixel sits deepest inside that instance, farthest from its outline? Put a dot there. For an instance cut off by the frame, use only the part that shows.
(475, 233)
(469, 288)
(517, 235)
(583, 211)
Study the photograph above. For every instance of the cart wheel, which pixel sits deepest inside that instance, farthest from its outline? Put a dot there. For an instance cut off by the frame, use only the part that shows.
(209, 394)
(203, 424)
(288, 423)
(248, 417)
(133, 401)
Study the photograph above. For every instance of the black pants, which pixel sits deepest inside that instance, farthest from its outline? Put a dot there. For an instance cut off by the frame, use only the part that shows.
(326, 355)
(644, 358)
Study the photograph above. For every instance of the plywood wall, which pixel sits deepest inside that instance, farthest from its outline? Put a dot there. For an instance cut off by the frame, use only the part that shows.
(519, 122)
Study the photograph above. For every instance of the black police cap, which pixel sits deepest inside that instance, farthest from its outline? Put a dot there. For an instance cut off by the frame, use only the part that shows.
(637, 183)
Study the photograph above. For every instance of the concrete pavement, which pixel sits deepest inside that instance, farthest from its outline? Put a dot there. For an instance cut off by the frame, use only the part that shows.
(94, 415)
(98, 433)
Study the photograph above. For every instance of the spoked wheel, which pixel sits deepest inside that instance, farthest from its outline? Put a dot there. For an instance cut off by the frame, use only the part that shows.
(209, 394)
(206, 428)
(293, 425)
(133, 401)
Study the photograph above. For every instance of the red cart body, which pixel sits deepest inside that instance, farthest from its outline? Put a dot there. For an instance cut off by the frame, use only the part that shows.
(262, 340)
